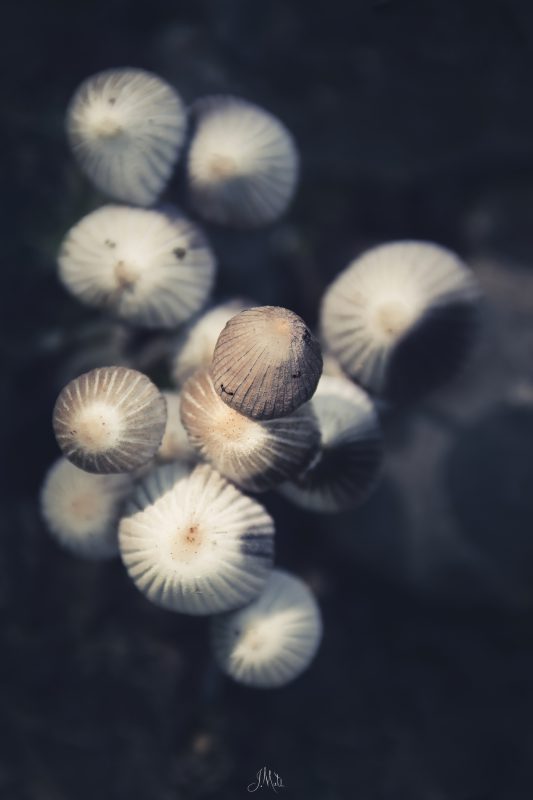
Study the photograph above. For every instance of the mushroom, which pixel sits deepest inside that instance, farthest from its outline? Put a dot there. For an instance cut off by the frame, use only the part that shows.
(82, 510)
(126, 128)
(255, 454)
(194, 543)
(175, 445)
(266, 362)
(273, 639)
(150, 267)
(348, 463)
(242, 166)
(195, 344)
(400, 317)
(111, 419)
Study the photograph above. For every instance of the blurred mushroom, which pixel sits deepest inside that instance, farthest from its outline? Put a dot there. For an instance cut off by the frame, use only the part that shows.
(111, 419)
(126, 128)
(266, 362)
(175, 445)
(194, 543)
(242, 166)
(273, 639)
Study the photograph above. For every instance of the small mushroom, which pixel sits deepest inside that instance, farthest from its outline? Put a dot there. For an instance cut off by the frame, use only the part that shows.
(348, 463)
(255, 454)
(273, 639)
(175, 445)
(126, 128)
(266, 362)
(195, 344)
(400, 318)
(242, 166)
(82, 510)
(124, 260)
(193, 543)
(111, 419)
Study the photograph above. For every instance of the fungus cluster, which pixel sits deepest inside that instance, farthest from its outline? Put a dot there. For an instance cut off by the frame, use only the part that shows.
(166, 477)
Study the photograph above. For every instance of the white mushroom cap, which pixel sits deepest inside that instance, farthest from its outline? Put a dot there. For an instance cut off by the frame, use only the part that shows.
(195, 345)
(175, 445)
(196, 545)
(150, 267)
(266, 362)
(255, 454)
(348, 463)
(400, 317)
(126, 128)
(242, 166)
(82, 510)
(274, 639)
(111, 419)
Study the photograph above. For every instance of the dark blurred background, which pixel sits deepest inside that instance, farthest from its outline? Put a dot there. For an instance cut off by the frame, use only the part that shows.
(414, 120)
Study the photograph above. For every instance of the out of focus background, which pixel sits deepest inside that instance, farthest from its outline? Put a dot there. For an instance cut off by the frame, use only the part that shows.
(414, 120)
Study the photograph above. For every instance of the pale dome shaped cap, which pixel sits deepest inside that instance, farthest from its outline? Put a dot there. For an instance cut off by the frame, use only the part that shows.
(349, 461)
(196, 545)
(400, 317)
(111, 419)
(150, 267)
(266, 362)
(82, 510)
(126, 128)
(242, 166)
(274, 639)
(255, 454)
(195, 344)
(175, 445)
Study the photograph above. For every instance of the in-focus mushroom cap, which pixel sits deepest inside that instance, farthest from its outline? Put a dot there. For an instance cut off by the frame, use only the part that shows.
(266, 362)
(394, 301)
(196, 545)
(126, 128)
(349, 460)
(82, 509)
(274, 639)
(195, 345)
(242, 166)
(111, 419)
(255, 454)
(150, 267)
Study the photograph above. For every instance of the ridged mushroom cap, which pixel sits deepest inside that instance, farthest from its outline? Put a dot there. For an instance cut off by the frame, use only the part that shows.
(196, 545)
(150, 267)
(126, 128)
(255, 454)
(273, 639)
(266, 362)
(242, 166)
(82, 510)
(175, 445)
(195, 344)
(400, 317)
(348, 463)
(111, 419)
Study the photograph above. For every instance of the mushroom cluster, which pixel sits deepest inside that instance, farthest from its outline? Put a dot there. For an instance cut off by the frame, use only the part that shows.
(166, 477)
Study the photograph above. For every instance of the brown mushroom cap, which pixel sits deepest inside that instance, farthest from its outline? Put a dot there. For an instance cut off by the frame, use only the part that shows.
(266, 362)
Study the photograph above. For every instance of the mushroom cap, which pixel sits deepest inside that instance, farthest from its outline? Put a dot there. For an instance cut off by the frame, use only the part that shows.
(273, 639)
(195, 345)
(255, 454)
(348, 463)
(150, 267)
(111, 419)
(242, 166)
(266, 362)
(196, 545)
(82, 510)
(175, 445)
(400, 317)
(126, 128)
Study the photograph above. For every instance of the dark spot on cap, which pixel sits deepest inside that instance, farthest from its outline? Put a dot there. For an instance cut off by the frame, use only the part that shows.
(180, 252)
(226, 391)
(297, 374)
(110, 243)
(112, 101)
